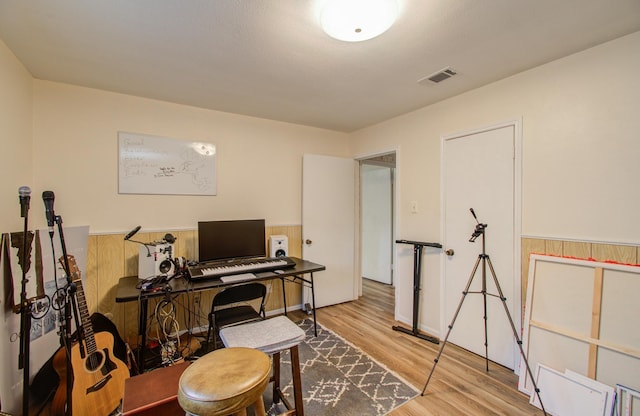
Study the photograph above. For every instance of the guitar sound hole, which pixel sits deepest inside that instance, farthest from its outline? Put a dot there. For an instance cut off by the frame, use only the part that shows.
(94, 361)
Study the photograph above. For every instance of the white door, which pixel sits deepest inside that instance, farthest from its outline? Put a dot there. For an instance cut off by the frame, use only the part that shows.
(376, 220)
(328, 226)
(479, 172)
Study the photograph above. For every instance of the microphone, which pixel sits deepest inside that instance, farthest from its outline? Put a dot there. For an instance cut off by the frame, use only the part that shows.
(48, 197)
(132, 233)
(25, 197)
(473, 213)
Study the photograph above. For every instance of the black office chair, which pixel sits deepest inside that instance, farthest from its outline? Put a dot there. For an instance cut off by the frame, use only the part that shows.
(227, 308)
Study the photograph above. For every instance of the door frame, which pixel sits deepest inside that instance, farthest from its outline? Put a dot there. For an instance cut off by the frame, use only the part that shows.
(394, 215)
(517, 313)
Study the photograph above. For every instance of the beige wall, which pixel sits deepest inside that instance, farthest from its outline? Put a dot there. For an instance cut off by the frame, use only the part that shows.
(15, 137)
(581, 155)
(75, 154)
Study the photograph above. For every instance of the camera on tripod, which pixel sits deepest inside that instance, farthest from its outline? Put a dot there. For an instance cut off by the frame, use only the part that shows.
(478, 232)
(483, 258)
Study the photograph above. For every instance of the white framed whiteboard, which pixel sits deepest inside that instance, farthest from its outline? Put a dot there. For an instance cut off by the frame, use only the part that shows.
(165, 166)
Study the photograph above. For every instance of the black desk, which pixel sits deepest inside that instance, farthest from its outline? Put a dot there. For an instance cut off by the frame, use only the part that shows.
(127, 291)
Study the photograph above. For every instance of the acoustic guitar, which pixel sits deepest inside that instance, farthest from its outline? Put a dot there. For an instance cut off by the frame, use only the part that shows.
(98, 376)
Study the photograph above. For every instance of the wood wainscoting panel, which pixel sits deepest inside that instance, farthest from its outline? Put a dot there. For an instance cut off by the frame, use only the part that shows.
(576, 249)
(553, 247)
(617, 253)
(91, 274)
(186, 244)
(130, 260)
(529, 246)
(110, 268)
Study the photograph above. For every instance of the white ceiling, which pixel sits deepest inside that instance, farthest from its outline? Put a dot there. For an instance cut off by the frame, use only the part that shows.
(270, 59)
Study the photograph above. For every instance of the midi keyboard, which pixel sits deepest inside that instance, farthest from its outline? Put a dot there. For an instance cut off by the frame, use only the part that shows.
(218, 269)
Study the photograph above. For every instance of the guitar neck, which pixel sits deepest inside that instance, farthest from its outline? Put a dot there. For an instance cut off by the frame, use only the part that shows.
(87, 328)
(81, 300)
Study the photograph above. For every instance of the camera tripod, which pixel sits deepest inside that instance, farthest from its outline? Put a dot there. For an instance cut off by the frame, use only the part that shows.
(484, 260)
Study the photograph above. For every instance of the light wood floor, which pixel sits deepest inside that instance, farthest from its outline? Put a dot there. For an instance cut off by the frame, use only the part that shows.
(459, 386)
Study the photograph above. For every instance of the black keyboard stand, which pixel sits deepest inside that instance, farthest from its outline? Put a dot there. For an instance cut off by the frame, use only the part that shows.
(417, 266)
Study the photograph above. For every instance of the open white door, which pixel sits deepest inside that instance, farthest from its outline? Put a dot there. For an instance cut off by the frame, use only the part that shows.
(328, 226)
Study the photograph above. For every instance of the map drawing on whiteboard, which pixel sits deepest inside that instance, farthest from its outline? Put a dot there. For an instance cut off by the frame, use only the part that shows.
(165, 166)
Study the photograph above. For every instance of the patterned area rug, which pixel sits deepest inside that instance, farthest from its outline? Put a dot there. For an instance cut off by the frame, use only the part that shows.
(338, 379)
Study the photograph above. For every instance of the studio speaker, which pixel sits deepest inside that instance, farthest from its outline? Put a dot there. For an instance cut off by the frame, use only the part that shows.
(278, 246)
(155, 259)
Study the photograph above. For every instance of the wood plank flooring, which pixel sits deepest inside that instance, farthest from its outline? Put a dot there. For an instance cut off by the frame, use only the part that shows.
(459, 385)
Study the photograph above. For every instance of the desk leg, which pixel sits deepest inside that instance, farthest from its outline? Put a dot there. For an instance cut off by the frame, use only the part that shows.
(297, 380)
(142, 331)
(284, 296)
(313, 306)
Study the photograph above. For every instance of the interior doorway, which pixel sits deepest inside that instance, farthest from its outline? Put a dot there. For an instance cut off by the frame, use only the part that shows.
(377, 217)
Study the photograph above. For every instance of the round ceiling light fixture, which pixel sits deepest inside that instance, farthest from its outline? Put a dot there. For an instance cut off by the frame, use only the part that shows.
(357, 20)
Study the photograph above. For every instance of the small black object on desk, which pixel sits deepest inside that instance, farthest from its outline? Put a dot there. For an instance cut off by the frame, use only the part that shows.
(417, 266)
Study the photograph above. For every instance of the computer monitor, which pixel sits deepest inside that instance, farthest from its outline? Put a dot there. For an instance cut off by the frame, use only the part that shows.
(221, 240)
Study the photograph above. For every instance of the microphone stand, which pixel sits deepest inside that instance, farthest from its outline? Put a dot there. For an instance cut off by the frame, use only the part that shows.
(70, 304)
(25, 321)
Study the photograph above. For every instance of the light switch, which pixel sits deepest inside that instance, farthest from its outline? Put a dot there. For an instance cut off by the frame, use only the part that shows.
(414, 207)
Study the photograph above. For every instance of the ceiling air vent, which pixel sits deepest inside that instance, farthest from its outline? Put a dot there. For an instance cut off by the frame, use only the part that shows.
(439, 76)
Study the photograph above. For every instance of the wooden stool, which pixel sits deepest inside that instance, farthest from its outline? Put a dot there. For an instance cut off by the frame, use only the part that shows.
(272, 336)
(224, 382)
